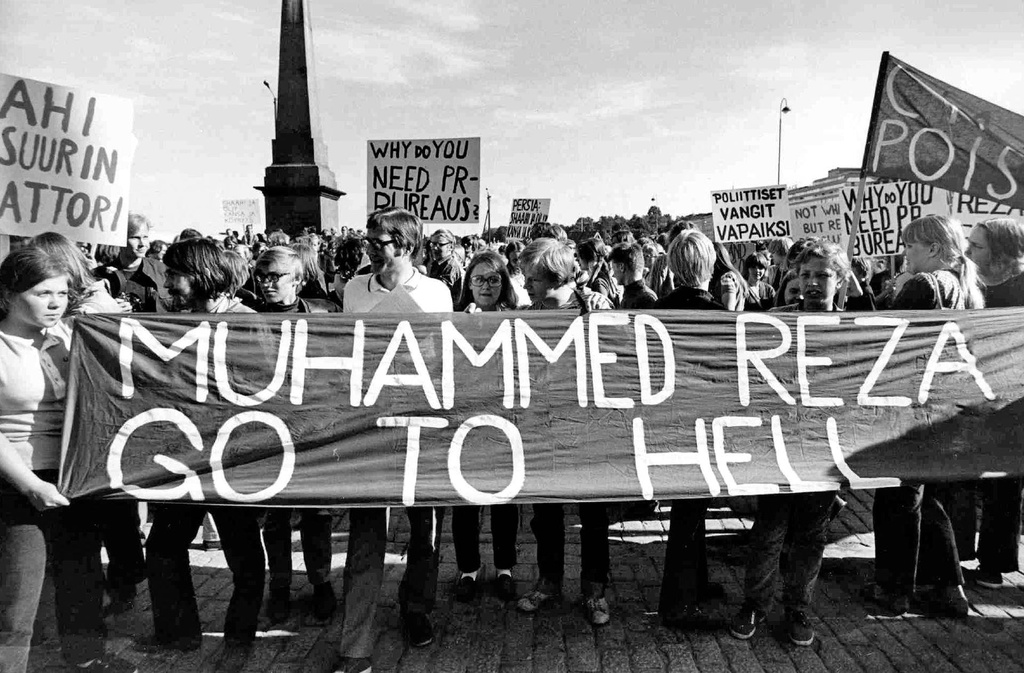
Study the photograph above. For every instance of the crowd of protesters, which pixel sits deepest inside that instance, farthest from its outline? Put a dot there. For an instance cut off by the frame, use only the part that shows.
(923, 531)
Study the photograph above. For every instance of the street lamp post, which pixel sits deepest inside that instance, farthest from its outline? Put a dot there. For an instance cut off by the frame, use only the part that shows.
(274, 95)
(783, 109)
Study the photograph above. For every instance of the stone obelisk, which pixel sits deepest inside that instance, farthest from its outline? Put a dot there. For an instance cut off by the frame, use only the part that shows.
(299, 189)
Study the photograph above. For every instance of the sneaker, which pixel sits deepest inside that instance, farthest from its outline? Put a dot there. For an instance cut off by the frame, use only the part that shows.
(798, 627)
(419, 629)
(352, 665)
(990, 580)
(106, 665)
(279, 605)
(324, 602)
(465, 589)
(596, 609)
(505, 587)
(744, 624)
(542, 593)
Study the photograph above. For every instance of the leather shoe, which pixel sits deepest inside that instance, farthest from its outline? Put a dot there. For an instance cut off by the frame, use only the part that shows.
(419, 629)
(505, 587)
(465, 589)
(324, 602)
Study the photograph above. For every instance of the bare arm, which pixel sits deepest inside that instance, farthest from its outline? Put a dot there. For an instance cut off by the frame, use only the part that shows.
(42, 494)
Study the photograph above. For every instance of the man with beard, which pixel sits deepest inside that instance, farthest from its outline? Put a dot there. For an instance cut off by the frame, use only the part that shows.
(392, 286)
(200, 280)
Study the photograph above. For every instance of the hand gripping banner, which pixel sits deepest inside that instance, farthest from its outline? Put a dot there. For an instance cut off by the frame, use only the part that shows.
(537, 406)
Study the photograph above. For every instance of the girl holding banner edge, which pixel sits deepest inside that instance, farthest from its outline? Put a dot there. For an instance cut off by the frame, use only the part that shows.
(34, 353)
(911, 518)
(486, 286)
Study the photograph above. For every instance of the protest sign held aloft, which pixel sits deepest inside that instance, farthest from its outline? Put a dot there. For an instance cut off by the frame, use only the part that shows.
(820, 218)
(65, 161)
(973, 209)
(525, 214)
(543, 407)
(885, 209)
(750, 214)
(240, 213)
(928, 131)
(437, 180)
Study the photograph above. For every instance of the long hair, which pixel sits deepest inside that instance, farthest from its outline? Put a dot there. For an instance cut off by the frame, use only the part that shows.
(948, 235)
(202, 260)
(723, 265)
(1005, 237)
(60, 247)
(507, 299)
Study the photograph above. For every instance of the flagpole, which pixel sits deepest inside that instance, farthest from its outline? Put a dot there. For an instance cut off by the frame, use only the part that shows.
(862, 183)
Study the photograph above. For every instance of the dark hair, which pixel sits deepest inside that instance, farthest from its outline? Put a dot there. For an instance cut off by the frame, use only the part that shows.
(60, 247)
(401, 225)
(723, 265)
(507, 299)
(189, 234)
(156, 247)
(623, 236)
(204, 263)
(755, 260)
(25, 268)
(630, 256)
(348, 255)
(238, 270)
(790, 277)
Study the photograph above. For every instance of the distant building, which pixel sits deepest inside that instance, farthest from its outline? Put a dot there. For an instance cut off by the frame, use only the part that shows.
(826, 187)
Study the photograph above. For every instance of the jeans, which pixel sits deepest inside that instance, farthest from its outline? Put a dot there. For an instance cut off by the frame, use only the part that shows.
(315, 532)
(548, 525)
(910, 519)
(119, 527)
(1000, 522)
(364, 571)
(175, 613)
(686, 563)
(800, 519)
(77, 574)
(466, 536)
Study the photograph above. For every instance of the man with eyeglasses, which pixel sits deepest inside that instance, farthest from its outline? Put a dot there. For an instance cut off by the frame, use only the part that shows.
(443, 265)
(393, 286)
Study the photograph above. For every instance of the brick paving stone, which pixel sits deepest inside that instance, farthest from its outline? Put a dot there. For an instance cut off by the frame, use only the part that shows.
(707, 653)
(614, 660)
(581, 653)
(680, 658)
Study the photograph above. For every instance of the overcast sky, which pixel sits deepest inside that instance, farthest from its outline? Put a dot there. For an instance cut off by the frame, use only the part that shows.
(598, 105)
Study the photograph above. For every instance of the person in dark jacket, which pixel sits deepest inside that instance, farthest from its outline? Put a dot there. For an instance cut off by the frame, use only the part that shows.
(627, 265)
(134, 276)
(279, 275)
(691, 258)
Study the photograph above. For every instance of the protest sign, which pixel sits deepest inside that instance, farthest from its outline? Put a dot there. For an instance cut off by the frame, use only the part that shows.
(750, 214)
(438, 180)
(973, 209)
(885, 209)
(537, 406)
(241, 213)
(526, 213)
(65, 161)
(820, 218)
(928, 131)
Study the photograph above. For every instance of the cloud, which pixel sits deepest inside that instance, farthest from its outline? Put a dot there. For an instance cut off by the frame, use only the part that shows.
(612, 101)
(361, 52)
(233, 17)
(453, 15)
(213, 56)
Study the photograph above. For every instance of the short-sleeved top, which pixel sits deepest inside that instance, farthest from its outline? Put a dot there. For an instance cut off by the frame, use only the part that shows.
(33, 388)
(417, 294)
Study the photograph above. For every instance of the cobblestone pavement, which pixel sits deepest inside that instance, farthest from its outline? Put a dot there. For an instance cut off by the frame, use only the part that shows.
(490, 636)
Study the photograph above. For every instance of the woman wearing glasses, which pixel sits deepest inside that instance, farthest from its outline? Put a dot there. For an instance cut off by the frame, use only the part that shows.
(487, 286)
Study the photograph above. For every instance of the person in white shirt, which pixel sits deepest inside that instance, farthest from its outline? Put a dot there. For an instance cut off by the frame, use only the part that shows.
(393, 286)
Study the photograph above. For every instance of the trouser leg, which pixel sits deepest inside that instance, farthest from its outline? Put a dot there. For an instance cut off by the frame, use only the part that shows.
(119, 526)
(764, 550)
(896, 519)
(938, 560)
(504, 530)
(315, 532)
(240, 539)
(466, 536)
(175, 613)
(808, 529)
(364, 572)
(277, 539)
(78, 580)
(686, 572)
(594, 556)
(548, 526)
(1000, 524)
(419, 584)
(22, 569)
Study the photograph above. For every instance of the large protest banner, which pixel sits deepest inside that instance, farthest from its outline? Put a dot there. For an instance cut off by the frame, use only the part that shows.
(65, 161)
(545, 406)
(928, 131)
(242, 213)
(885, 209)
(438, 180)
(971, 210)
(819, 218)
(526, 213)
(750, 214)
